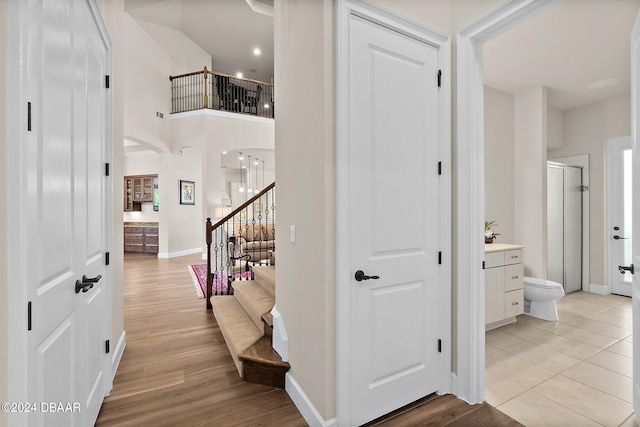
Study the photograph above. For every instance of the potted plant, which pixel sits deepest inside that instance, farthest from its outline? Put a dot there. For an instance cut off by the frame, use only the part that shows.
(489, 235)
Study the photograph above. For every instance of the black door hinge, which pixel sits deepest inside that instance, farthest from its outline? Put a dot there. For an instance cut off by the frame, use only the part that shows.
(29, 116)
(439, 346)
(439, 257)
(106, 169)
(106, 258)
(439, 168)
(439, 78)
(29, 316)
(107, 348)
(107, 81)
(483, 265)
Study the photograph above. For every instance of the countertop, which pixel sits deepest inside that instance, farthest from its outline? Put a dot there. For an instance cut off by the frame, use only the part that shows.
(497, 247)
(140, 224)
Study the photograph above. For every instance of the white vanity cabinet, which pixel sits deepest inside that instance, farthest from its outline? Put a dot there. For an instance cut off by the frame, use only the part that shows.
(503, 278)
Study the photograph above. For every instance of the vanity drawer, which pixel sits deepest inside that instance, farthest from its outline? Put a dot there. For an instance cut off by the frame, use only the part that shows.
(513, 277)
(513, 303)
(493, 259)
(513, 257)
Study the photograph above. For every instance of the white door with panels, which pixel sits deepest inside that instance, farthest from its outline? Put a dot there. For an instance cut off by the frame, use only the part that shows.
(635, 142)
(395, 217)
(619, 212)
(66, 200)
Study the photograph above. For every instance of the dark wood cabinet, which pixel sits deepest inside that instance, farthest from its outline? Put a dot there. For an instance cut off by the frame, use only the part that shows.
(138, 190)
(141, 239)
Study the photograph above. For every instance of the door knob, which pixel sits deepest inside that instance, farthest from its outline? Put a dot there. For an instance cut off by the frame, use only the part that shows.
(360, 276)
(92, 279)
(620, 238)
(622, 269)
(83, 286)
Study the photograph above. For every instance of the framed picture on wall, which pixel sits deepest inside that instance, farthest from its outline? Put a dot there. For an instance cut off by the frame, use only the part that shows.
(187, 192)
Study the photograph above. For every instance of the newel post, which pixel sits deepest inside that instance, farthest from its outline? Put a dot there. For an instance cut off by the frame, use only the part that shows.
(209, 277)
(206, 97)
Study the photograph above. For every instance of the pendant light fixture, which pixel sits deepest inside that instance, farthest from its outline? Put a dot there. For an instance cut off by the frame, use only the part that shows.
(241, 189)
(249, 175)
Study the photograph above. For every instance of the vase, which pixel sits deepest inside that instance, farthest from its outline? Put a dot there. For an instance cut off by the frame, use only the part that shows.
(488, 239)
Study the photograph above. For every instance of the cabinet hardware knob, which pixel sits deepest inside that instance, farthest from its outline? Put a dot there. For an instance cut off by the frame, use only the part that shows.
(514, 303)
(514, 256)
(514, 277)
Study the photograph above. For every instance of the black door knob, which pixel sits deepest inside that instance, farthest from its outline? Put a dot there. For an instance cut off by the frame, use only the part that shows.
(83, 286)
(360, 276)
(622, 269)
(620, 238)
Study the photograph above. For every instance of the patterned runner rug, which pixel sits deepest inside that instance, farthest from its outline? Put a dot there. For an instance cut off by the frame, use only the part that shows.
(219, 286)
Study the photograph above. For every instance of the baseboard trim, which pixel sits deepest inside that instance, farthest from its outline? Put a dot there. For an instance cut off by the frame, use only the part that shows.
(304, 405)
(599, 289)
(117, 354)
(167, 255)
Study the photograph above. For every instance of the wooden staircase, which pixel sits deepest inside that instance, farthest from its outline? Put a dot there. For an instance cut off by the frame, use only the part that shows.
(246, 324)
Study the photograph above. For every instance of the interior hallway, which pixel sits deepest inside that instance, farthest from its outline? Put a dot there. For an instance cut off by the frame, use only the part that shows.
(177, 371)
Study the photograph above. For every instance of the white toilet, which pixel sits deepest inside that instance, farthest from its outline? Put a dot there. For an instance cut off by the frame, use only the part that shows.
(540, 297)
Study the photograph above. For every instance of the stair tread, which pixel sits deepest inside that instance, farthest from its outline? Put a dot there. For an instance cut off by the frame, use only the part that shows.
(254, 299)
(238, 329)
(265, 275)
(262, 352)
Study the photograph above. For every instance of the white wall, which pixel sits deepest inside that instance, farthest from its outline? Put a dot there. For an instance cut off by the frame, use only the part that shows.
(530, 154)
(555, 135)
(499, 163)
(153, 53)
(586, 131)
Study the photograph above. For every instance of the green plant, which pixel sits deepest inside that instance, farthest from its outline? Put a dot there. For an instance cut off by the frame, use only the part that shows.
(488, 233)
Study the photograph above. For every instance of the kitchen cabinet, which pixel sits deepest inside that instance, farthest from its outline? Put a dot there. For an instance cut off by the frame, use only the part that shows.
(143, 238)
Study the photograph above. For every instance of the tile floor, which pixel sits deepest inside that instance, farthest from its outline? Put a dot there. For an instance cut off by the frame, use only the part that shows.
(574, 372)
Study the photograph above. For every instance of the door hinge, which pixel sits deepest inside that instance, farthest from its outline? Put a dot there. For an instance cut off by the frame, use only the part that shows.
(106, 169)
(107, 348)
(483, 265)
(439, 168)
(29, 316)
(106, 258)
(439, 78)
(107, 81)
(439, 257)
(29, 116)
(439, 346)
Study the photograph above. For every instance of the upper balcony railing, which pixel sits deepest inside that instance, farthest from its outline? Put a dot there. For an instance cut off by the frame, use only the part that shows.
(219, 91)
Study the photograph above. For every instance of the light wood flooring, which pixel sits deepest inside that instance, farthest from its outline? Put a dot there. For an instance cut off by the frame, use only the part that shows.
(177, 371)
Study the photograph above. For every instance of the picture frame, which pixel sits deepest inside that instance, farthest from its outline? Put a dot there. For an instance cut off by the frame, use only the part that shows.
(187, 192)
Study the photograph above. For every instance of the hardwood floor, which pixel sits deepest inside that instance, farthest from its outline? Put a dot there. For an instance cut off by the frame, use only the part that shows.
(177, 371)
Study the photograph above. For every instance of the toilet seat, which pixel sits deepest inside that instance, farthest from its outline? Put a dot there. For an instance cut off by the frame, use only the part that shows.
(541, 283)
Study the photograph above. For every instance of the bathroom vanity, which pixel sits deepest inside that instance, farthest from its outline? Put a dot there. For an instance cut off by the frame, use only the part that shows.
(503, 278)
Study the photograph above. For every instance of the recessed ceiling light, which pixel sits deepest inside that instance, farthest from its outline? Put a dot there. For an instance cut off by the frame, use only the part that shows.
(224, 152)
(603, 83)
(239, 75)
(257, 51)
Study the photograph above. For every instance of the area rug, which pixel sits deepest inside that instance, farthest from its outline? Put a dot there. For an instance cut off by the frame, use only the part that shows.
(219, 285)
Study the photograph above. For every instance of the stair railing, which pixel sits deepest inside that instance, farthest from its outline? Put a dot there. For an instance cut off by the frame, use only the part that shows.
(220, 91)
(244, 238)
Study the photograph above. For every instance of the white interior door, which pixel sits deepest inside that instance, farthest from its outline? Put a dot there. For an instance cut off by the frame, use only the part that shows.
(394, 217)
(67, 201)
(635, 136)
(619, 205)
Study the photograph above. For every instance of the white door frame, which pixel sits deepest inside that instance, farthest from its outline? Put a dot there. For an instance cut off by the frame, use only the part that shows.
(343, 267)
(19, 256)
(614, 146)
(468, 382)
